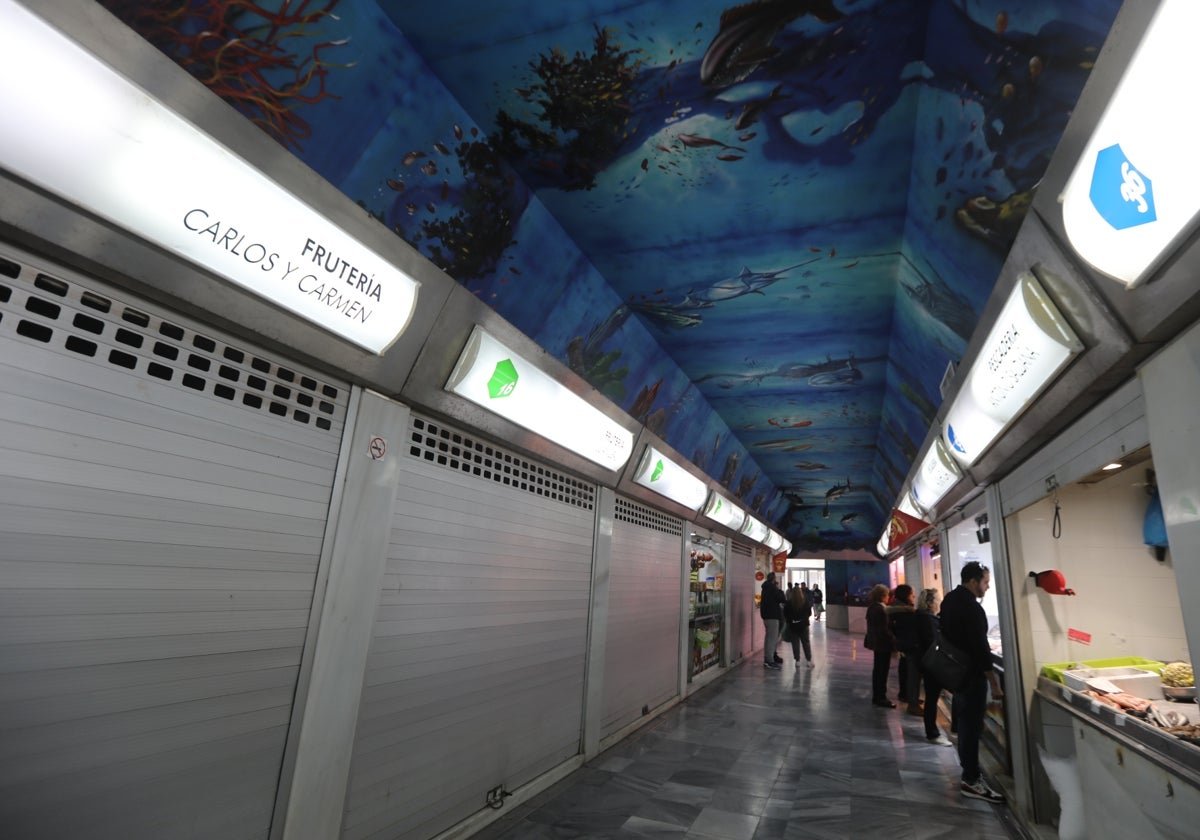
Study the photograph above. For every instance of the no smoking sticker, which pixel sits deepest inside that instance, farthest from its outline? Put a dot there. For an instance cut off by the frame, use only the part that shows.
(378, 448)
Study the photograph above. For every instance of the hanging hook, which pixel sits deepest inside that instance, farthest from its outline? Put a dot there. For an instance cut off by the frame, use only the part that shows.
(1056, 525)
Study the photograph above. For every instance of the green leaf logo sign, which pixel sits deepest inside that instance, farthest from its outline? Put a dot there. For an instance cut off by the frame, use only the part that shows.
(658, 471)
(503, 381)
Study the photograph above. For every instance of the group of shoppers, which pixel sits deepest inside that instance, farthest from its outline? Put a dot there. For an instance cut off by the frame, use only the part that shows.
(908, 626)
(788, 616)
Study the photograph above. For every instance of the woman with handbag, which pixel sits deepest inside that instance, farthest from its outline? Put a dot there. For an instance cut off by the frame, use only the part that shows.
(880, 642)
(928, 604)
(796, 614)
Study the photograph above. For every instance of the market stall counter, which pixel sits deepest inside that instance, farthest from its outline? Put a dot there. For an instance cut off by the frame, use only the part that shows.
(1119, 770)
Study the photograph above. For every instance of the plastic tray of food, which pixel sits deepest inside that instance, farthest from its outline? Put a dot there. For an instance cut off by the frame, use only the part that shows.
(1055, 671)
(1136, 681)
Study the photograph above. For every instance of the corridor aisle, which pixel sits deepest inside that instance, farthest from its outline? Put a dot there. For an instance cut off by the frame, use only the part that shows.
(795, 753)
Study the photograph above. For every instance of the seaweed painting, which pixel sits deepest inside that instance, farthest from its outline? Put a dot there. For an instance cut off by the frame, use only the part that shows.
(243, 52)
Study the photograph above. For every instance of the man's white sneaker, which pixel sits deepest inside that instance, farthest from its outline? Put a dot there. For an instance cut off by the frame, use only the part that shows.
(980, 790)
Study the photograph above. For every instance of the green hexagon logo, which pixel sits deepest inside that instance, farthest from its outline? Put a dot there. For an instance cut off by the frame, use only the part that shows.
(504, 379)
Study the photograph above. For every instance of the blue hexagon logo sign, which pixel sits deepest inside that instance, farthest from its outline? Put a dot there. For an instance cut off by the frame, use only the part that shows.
(1121, 193)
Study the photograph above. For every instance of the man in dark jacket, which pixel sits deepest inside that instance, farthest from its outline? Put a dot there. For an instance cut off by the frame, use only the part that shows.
(964, 625)
(770, 609)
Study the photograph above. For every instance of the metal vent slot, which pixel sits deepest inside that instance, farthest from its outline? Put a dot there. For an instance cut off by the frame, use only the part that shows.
(455, 450)
(88, 322)
(648, 518)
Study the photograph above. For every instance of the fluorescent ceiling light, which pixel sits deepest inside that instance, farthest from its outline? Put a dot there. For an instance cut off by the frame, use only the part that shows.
(1029, 343)
(82, 131)
(754, 529)
(773, 540)
(720, 509)
(497, 379)
(659, 473)
(936, 475)
(1136, 187)
(1112, 466)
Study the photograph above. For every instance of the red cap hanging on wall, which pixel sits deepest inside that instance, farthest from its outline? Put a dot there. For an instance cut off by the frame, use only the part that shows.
(1052, 581)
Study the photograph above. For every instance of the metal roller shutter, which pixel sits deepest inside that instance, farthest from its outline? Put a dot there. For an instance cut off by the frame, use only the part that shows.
(475, 677)
(742, 610)
(163, 497)
(641, 661)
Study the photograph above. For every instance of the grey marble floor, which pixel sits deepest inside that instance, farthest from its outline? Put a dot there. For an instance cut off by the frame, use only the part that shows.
(778, 755)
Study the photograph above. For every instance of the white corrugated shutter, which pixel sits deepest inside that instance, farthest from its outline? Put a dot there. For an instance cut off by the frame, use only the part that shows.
(163, 497)
(743, 611)
(641, 660)
(475, 677)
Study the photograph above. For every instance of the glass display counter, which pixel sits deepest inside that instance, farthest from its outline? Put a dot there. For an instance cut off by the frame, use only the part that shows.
(706, 612)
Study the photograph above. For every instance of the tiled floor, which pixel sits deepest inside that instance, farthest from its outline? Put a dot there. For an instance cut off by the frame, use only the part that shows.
(796, 753)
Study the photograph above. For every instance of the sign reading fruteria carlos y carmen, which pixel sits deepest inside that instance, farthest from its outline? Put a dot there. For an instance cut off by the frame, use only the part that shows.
(140, 165)
(331, 281)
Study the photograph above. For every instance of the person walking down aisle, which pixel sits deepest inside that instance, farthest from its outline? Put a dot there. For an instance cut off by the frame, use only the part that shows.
(880, 642)
(902, 614)
(965, 625)
(928, 604)
(796, 613)
(818, 601)
(770, 609)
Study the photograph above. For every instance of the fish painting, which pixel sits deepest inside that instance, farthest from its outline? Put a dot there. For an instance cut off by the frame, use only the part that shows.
(847, 375)
(744, 40)
(751, 110)
(745, 282)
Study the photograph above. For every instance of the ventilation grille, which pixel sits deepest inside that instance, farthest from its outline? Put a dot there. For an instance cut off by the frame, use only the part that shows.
(637, 514)
(454, 450)
(741, 549)
(63, 315)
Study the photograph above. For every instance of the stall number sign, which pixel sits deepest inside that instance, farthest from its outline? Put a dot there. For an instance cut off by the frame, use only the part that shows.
(1121, 194)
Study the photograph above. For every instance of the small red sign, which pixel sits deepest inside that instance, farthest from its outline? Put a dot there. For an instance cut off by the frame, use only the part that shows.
(1079, 636)
(378, 448)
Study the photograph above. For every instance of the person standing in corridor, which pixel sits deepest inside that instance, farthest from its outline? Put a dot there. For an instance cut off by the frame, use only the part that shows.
(796, 613)
(770, 609)
(880, 642)
(964, 625)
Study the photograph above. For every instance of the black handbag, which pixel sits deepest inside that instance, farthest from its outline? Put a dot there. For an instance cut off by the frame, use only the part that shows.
(946, 664)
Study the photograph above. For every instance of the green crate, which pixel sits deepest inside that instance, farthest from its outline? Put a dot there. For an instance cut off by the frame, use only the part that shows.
(1055, 671)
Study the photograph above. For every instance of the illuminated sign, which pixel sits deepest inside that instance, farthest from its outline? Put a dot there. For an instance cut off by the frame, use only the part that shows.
(659, 473)
(85, 133)
(720, 509)
(754, 529)
(1136, 187)
(1028, 344)
(497, 379)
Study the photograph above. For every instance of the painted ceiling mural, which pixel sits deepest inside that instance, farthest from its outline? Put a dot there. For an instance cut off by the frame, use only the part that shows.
(763, 230)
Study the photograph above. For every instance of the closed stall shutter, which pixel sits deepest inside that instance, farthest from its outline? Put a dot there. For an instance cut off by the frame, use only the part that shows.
(742, 609)
(645, 606)
(475, 672)
(163, 497)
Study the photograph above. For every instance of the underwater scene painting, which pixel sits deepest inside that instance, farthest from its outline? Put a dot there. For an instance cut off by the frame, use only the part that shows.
(762, 229)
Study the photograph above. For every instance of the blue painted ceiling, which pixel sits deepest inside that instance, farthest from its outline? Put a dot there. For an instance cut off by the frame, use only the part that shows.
(763, 230)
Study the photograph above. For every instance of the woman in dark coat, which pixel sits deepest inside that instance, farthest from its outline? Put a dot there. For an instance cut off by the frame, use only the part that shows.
(880, 642)
(796, 614)
(902, 614)
(928, 604)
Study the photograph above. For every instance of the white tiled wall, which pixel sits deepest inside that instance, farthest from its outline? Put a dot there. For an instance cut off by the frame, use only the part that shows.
(1126, 599)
